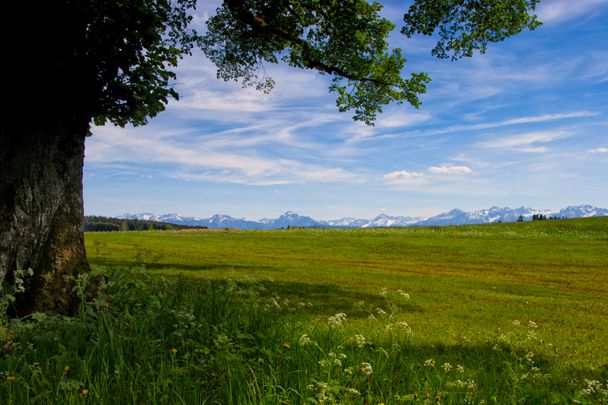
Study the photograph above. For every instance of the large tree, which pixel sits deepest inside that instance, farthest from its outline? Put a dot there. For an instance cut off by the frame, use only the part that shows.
(71, 63)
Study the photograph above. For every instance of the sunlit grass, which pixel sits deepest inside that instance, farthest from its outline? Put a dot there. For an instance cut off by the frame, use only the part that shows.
(506, 313)
(466, 279)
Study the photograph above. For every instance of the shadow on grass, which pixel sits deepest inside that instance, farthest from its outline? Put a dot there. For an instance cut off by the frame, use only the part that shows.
(308, 298)
(329, 299)
(155, 266)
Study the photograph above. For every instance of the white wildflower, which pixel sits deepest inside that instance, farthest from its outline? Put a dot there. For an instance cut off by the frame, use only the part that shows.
(429, 363)
(353, 392)
(380, 311)
(384, 291)
(404, 294)
(406, 328)
(460, 368)
(447, 367)
(275, 303)
(531, 335)
(595, 389)
(532, 324)
(336, 320)
(366, 368)
(305, 340)
(530, 357)
(516, 323)
(360, 341)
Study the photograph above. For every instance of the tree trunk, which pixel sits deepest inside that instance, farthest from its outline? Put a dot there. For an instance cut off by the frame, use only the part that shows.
(41, 209)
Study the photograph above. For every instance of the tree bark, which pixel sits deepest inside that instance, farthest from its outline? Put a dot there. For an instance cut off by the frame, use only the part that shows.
(41, 210)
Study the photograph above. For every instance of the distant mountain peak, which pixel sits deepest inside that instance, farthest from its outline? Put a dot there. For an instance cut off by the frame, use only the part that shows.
(453, 217)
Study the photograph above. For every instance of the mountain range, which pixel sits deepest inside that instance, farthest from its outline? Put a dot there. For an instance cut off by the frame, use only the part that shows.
(453, 217)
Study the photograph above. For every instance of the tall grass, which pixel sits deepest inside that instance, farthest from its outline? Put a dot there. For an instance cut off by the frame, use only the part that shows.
(152, 339)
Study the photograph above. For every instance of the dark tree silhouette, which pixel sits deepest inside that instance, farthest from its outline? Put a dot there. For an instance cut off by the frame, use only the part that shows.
(71, 63)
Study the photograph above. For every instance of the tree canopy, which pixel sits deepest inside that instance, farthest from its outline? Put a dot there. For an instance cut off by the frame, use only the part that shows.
(348, 40)
(121, 54)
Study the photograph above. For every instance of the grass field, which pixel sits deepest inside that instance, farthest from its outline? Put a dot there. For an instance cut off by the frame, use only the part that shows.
(502, 313)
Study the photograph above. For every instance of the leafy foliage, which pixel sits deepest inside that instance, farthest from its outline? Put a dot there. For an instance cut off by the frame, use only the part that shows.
(466, 26)
(114, 60)
(135, 43)
(344, 39)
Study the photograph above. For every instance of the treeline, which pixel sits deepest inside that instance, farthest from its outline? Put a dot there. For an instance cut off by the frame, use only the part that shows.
(108, 224)
(538, 217)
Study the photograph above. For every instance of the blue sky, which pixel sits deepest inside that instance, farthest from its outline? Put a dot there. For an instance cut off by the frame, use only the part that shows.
(524, 124)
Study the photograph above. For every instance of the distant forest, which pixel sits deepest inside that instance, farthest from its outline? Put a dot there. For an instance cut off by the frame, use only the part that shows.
(107, 224)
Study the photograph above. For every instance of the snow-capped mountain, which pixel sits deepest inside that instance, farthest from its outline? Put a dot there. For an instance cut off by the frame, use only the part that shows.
(346, 222)
(292, 219)
(387, 221)
(453, 217)
(485, 216)
(582, 211)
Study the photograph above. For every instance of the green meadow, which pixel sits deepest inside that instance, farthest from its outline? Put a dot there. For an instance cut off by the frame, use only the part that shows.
(500, 313)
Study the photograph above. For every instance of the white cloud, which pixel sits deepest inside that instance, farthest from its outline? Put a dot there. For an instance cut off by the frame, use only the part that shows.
(514, 121)
(404, 118)
(560, 10)
(409, 180)
(526, 142)
(599, 150)
(197, 159)
(449, 170)
(401, 175)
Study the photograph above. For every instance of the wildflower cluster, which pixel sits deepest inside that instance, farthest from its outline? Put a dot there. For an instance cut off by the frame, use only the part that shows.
(305, 340)
(360, 341)
(332, 359)
(336, 320)
(331, 393)
(595, 390)
(470, 386)
(366, 368)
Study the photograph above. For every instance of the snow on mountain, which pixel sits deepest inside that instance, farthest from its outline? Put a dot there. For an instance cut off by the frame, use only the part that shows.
(582, 211)
(485, 216)
(292, 219)
(385, 221)
(346, 222)
(453, 217)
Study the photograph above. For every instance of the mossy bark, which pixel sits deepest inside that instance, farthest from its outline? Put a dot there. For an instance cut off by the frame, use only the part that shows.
(41, 210)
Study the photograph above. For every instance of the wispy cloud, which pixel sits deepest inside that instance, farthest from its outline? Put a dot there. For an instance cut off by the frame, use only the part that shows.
(556, 11)
(449, 170)
(513, 121)
(526, 142)
(401, 119)
(200, 160)
(599, 150)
